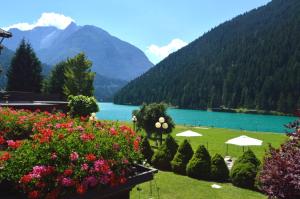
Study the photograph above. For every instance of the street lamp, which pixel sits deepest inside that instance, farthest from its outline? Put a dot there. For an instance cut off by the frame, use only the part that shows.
(134, 120)
(161, 125)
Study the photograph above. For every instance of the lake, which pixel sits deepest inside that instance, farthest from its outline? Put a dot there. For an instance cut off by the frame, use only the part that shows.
(250, 122)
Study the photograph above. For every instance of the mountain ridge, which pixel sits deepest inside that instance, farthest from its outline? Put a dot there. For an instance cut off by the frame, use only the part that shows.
(247, 62)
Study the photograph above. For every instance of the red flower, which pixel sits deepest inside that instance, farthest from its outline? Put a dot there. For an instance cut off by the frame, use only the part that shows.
(80, 189)
(53, 194)
(33, 195)
(87, 136)
(90, 157)
(136, 145)
(14, 144)
(2, 140)
(26, 179)
(113, 131)
(5, 156)
(68, 172)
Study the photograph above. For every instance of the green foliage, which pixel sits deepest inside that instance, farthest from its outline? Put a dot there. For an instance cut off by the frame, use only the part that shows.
(248, 62)
(182, 157)
(199, 166)
(146, 149)
(82, 105)
(244, 170)
(149, 114)
(55, 82)
(219, 169)
(25, 70)
(165, 154)
(248, 156)
(78, 76)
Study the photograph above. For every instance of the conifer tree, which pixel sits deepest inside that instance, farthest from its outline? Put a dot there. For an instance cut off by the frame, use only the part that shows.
(24, 73)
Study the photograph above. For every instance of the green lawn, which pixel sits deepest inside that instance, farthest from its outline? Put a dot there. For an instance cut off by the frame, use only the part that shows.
(175, 186)
(172, 186)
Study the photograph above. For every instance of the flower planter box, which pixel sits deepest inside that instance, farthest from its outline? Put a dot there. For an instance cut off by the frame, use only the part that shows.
(142, 174)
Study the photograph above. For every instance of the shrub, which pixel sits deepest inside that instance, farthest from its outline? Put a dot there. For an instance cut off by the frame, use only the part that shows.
(244, 170)
(280, 174)
(182, 157)
(249, 156)
(70, 157)
(82, 105)
(243, 175)
(199, 166)
(164, 155)
(146, 149)
(219, 169)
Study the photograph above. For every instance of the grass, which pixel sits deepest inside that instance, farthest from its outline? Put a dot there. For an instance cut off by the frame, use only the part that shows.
(172, 186)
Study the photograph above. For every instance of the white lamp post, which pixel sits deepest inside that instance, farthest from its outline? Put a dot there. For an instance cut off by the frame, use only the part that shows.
(161, 125)
(134, 120)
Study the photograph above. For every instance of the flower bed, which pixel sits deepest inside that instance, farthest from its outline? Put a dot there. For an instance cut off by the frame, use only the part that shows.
(65, 156)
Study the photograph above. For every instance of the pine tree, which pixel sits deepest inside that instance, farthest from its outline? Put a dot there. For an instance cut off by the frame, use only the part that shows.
(79, 78)
(24, 73)
(56, 80)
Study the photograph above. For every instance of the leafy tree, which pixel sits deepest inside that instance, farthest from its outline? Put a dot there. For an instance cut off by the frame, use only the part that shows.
(219, 169)
(55, 82)
(182, 157)
(199, 166)
(146, 149)
(25, 71)
(279, 177)
(79, 78)
(149, 114)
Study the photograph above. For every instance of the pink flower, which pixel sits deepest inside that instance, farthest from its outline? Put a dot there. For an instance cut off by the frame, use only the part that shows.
(84, 167)
(67, 182)
(74, 156)
(53, 156)
(91, 181)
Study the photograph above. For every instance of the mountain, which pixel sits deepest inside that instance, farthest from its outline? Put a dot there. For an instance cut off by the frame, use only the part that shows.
(111, 57)
(251, 61)
(5, 58)
(106, 87)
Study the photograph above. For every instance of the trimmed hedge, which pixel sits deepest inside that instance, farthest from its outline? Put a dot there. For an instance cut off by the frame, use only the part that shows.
(165, 154)
(219, 169)
(199, 166)
(146, 149)
(182, 157)
(81, 105)
(244, 170)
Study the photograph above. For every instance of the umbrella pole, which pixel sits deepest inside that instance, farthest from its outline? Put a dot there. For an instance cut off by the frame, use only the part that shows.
(226, 149)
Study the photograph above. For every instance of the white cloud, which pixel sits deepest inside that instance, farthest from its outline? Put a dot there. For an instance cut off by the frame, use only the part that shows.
(161, 52)
(47, 19)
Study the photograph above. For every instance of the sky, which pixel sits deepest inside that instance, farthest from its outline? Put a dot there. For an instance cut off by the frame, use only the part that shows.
(157, 27)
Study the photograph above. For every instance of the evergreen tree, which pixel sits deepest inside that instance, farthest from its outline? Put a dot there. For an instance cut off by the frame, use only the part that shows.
(79, 78)
(24, 73)
(219, 169)
(146, 149)
(55, 82)
(182, 157)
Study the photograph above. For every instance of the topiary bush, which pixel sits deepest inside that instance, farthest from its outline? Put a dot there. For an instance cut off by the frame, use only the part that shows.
(182, 157)
(146, 149)
(81, 105)
(165, 154)
(244, 170)
(199, 166)
(219, 169)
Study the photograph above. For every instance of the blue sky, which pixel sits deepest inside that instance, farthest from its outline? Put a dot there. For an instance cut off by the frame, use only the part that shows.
(157, 27)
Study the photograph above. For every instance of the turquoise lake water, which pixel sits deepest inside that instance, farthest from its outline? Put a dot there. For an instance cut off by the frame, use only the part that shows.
(251, 122)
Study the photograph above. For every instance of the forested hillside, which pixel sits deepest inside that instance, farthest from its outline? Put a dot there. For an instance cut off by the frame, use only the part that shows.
(251, 61)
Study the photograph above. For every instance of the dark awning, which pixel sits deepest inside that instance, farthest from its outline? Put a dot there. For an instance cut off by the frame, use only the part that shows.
(5, 34)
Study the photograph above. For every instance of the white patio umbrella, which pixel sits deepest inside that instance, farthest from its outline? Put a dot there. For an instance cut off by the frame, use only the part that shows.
(188, 133)
(244, 141)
